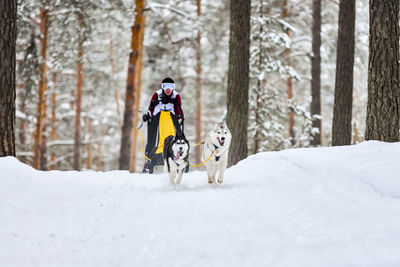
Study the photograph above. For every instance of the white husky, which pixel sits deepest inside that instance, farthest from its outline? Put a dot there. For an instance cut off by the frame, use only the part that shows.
(217, 141)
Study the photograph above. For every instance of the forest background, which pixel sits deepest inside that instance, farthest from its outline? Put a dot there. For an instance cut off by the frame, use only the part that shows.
(87, 44)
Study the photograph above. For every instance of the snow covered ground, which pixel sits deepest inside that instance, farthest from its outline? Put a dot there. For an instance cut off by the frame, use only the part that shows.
(302, 207)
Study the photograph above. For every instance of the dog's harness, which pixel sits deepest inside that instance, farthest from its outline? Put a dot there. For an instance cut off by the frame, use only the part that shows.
(216, 157)
(177, 164)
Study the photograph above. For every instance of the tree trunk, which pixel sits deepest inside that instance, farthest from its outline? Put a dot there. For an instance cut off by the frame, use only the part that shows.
(199, 109)
(259, 105)
(41, 110)
(383, 72)
(342, 109)
(114, 73)
(138, 79)
(27, 72)
(43, 140)
(90, 146)
(289, 80)
(53, 122)
(22, 109)
(100, 149)
(77, 143)
(73, 100)
(8, 35)
(257, 134)
(136, 49)
(316, 71)
(260, 91)
(238, 79)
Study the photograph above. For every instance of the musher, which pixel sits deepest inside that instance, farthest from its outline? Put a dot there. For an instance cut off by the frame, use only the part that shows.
(165, 117)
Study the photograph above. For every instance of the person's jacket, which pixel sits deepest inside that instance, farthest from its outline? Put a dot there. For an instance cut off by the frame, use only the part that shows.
(160, 101)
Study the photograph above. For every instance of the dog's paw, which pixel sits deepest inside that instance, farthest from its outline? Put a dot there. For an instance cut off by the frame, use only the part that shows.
(220, 180)
(210, 181)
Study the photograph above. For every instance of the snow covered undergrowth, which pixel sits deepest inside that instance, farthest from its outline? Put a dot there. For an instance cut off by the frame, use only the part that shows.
(301, 207)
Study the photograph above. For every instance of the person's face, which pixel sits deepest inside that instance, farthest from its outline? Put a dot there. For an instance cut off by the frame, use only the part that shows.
(168, 91)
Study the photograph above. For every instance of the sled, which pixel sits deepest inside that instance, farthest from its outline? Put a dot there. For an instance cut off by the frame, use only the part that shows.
(164, 124)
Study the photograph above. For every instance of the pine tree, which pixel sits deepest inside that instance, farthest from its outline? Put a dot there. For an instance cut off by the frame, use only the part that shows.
(238, 78)
(40, 136)
(136, 49)
(342, 110)
(383, 110)
(8, 35)
(27, 73)
(271, 78)
(316, 72)
(289, 79)
(78, 103)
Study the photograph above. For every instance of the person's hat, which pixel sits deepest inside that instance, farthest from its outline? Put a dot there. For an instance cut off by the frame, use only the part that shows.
(168, 80)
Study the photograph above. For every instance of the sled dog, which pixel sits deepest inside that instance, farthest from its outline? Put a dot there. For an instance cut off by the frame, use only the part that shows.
(175, 154)
(218, 141)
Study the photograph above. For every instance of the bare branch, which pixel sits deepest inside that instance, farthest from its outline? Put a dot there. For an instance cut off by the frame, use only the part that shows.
(174, 10)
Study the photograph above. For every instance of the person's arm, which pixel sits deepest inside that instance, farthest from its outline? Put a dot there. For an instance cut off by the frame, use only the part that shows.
(153, 103)
(177, 105)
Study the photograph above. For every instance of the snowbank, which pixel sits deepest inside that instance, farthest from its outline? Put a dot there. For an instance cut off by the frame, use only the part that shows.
(301, 207)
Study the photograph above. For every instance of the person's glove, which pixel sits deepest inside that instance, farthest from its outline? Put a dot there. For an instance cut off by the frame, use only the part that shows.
(154, 103)
(147, 116)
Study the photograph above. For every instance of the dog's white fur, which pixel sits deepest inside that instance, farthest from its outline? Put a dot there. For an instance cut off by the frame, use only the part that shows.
(178, 165)
(212, 144)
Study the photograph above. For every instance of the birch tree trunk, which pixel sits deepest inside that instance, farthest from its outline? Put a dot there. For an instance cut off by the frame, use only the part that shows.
(342, 109)
(316, 71)
(8, 35)
(136, 49)
(238, 79)
(383, 106)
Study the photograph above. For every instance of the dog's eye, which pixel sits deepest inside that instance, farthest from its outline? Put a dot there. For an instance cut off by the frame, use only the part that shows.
(219, 132)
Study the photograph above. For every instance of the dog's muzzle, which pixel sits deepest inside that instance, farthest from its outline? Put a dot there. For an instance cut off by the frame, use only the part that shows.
(178, 155)
(221, 140)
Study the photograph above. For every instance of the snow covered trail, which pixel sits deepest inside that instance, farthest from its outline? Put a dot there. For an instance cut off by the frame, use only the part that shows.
(301, 207)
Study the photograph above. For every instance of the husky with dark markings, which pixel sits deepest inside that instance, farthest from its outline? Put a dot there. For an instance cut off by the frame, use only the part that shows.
(217, 142)
(176, 154)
